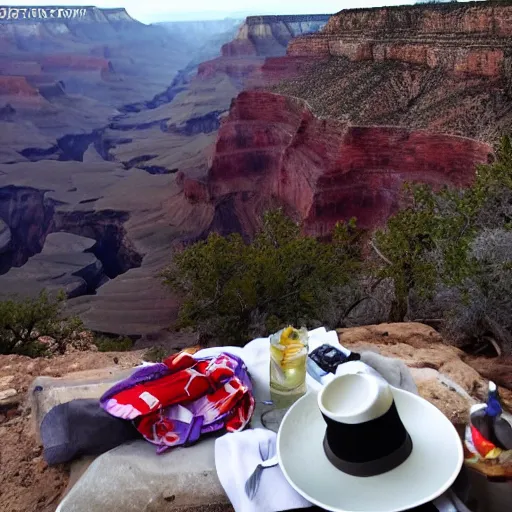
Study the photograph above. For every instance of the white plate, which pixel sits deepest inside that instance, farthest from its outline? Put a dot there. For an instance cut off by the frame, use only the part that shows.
(429, 471)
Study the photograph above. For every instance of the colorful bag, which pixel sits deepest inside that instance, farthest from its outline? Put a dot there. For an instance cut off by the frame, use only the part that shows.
(175, 402)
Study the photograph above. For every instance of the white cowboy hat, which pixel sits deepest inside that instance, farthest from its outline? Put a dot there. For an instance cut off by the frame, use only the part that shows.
(353, 400)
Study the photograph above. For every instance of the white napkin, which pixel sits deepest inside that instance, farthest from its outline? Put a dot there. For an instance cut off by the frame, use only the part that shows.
(236, 457)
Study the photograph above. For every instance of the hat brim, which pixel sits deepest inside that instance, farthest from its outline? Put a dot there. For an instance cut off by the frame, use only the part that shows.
(432, 467)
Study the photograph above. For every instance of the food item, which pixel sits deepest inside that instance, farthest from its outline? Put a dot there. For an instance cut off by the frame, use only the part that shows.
(288, 353)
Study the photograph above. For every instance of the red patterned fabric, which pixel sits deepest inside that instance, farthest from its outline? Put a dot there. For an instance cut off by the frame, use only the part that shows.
(186, 398)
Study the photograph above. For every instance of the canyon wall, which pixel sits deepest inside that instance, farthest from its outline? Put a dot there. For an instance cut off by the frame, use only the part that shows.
(441, 67)
(273, 149)
(256, 57)
(269, 36)
(469, 38)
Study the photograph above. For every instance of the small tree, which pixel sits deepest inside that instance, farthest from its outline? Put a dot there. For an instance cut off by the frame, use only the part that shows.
(23, 322)
(233, 291)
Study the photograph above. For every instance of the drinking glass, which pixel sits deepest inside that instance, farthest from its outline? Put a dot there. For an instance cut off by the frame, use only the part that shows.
(288, 356)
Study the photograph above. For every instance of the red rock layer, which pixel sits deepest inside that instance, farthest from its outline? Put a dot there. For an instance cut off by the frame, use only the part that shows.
(272, 148)
(16, 86)
(466, 39)
(468, 18)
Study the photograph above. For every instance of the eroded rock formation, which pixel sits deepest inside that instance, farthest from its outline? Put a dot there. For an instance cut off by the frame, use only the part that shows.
(273, 148)
(67, 262)
(16, 86)
(259, 38)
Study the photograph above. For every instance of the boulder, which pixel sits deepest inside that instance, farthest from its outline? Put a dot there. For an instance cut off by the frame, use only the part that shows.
(184, 479)
(47, 392)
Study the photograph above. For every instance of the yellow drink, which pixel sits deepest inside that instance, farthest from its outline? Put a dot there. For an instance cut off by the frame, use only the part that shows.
(288, 353)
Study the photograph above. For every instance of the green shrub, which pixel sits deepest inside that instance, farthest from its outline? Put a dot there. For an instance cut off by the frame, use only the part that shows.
(23, 321)
(233, 291)
(113, 344)
(454, 247)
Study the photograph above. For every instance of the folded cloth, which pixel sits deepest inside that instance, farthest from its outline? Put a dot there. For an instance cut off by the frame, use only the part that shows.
(236, 457)
(81, 427)
(175, 402)
(233, 462)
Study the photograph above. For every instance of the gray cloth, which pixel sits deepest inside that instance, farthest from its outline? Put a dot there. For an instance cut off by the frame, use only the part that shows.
(393, 370)
(81, 427)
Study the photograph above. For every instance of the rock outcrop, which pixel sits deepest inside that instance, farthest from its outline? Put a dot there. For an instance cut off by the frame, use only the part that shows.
(258, 39)
(16, 86)
(66, 262)
(273, 148)
(444, 67)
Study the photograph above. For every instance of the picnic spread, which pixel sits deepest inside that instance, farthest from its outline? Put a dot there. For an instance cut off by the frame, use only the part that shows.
(339, 430)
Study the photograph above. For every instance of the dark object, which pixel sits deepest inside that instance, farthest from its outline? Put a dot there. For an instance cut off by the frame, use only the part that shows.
(329, 357)
(82, 427)
(369, 448)
(489, 422)
(497, 430)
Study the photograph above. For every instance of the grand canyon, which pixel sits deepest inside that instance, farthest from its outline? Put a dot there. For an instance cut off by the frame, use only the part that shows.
(120, 141)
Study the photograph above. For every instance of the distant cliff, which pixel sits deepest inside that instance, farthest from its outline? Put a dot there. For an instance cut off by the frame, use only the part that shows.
(269, 35)
(467, 38)
(445, 67)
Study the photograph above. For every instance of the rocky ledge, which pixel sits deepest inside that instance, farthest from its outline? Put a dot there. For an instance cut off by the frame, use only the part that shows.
(467, 39)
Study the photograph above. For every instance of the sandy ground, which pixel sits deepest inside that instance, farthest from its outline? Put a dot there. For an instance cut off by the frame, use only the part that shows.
(27, 484)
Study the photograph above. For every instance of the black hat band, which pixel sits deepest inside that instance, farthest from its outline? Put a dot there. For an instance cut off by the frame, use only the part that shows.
(369, 448)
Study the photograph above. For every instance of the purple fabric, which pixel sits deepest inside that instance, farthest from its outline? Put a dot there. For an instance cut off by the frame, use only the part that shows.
(182, 424)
